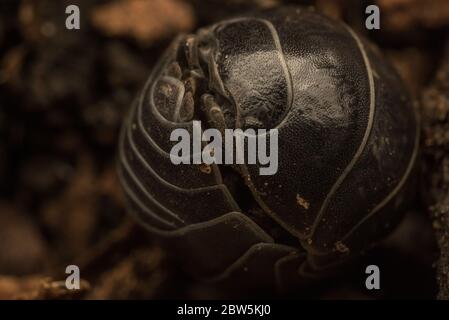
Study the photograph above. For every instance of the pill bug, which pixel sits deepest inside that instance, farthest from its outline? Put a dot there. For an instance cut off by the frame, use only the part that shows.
(348, 142)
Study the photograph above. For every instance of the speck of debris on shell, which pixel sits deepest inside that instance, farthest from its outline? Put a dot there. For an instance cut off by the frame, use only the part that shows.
(341, 247)
(302, 202)
(205, 168)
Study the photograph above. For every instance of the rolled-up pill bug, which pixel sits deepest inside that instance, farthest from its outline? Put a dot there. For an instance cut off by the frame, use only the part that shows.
(347, 144)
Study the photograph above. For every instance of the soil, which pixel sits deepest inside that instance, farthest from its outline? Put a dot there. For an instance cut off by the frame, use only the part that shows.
(64, 94)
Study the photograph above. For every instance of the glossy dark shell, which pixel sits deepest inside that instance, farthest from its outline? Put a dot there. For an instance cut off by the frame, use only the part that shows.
(348, 140)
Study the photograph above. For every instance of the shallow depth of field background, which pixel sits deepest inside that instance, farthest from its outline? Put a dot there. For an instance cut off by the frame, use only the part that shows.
(63, 96)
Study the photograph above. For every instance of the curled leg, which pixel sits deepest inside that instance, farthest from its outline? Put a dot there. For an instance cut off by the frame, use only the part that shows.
(213, 113)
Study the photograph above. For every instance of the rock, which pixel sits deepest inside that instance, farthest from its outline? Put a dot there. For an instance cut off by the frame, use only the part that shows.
(145, 21)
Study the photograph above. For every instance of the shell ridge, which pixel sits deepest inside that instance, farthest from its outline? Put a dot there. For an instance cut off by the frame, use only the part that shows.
(365, 138)
(136, 180)
(288, 75)
(134, 198)
(237, 263)
(147, 136)
(289, 80)
(395, 190)
(130, 192)
(160, 179)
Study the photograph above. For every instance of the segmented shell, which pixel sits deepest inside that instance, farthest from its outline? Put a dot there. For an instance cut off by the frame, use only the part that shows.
(348, 141)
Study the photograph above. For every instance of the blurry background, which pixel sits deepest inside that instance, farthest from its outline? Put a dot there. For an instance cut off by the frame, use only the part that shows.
(64, 93)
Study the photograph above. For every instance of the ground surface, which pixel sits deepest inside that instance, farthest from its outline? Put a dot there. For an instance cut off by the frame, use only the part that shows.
(63, 96)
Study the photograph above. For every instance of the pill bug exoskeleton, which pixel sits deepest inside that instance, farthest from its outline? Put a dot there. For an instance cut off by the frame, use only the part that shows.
(348, 141)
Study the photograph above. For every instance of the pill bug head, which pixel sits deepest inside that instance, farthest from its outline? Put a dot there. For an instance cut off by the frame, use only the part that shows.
(223, 66)
(347, 143)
